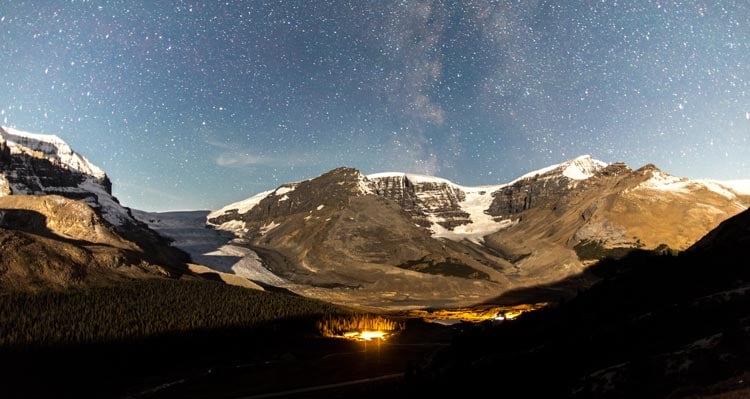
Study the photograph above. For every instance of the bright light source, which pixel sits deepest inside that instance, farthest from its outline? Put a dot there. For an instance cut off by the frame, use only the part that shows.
(368, 335)
(359, 327)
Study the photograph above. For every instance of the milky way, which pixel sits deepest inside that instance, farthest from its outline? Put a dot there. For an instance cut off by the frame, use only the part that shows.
(197, 104)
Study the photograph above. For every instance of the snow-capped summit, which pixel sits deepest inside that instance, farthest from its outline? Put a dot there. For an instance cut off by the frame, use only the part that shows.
(732, 190)
(385, 234)
(52, 148)
(580, 168)
(38, 164)
(447, 209)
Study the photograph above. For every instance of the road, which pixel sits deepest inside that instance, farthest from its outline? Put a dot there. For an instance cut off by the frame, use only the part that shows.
(325, 387)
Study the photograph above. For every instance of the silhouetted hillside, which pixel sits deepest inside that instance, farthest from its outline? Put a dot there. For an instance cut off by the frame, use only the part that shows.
(655, 325)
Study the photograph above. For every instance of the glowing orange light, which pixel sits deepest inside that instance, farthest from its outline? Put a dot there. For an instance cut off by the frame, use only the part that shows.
(368, 335)
(359, 327)
(477, 314)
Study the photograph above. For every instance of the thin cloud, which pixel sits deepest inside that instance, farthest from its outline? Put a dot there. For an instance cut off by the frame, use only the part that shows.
(240, 159)
(234, 156)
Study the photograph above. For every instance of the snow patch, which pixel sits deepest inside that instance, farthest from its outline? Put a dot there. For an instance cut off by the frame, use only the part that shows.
(217, 250)
(268, 227)
(110, 209)
(364, 185)
(474, 232)
(476, 202)
(728, 189)
(414, 178)
(59, 153)
(284, 190)
(741, 187)
(738, 187)
(237, 226)
(241, 206)
(665, 182)
(248, 204)
(242, 262)
(717, 188)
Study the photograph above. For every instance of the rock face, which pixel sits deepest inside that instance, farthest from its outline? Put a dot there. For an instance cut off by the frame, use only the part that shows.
(38, 164)
(402, 239)
(60, 225)
(422, 197)
(53, 242)
(551, 187)
(333, 237)
(4, 161)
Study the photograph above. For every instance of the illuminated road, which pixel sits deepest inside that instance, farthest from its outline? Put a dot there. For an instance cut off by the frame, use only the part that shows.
(327, 386)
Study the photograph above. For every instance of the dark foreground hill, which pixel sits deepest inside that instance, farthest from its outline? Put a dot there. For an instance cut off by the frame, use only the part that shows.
(656, 326)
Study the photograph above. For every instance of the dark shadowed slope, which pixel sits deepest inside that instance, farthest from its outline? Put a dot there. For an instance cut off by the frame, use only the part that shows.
(655, 326)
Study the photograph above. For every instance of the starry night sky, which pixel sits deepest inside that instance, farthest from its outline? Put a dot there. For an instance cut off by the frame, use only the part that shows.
(191, 105)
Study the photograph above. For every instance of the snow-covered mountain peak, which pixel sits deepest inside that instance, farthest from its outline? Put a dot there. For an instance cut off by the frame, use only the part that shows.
(580, 168)
(39, 164)
(50, 147)
(583, 167)
(664, 182)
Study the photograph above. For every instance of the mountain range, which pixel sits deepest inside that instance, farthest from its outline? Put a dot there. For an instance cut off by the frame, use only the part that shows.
(60, 226)
(393, 240)
(400, 240)
(644, 272)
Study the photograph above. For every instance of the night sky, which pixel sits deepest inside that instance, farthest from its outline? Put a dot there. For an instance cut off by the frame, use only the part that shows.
(192, 105)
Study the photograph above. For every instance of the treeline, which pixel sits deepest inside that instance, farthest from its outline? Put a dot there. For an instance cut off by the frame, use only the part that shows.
(142, 309)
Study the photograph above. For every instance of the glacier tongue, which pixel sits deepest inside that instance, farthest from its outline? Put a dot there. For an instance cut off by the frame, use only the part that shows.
(451, 211)
(478, 200)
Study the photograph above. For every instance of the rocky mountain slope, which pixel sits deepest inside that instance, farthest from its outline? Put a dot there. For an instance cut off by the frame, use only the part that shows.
(36, 164)
(60, 226)
(318, 235)
(404, 239)
(55, 242)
